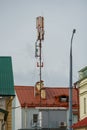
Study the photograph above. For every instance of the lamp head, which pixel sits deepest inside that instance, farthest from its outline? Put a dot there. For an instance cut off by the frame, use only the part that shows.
(74, 30)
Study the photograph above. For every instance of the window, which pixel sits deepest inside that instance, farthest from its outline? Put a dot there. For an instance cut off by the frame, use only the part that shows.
(35, 118)
(75, 118)
(63, 98)
(84, 105)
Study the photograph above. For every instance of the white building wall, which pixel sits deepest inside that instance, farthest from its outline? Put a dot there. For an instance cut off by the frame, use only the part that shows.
(53, 118)
(46, 118)
(27, 117)
(18, 123)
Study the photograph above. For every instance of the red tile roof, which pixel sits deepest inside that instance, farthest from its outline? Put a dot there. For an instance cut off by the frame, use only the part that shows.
(26, 97)
(81, 123)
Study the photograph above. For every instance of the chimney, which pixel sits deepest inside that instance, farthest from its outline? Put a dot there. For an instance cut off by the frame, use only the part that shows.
(43, 93)
(39, 90)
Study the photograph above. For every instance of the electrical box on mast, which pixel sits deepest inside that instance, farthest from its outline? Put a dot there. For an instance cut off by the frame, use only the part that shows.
(40, 28)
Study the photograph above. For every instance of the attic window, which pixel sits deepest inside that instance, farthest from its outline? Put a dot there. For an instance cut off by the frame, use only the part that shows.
(63, 98)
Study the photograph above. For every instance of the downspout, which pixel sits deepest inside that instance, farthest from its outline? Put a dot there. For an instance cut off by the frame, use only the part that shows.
(10, 100)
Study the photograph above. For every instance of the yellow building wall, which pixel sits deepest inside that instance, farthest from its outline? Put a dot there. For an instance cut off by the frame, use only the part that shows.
(82, 95)
(9, 118)
(82, 85)
(84, 128)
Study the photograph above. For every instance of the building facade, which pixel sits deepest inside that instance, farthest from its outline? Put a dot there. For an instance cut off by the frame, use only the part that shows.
(48, 110)
(6, 93)
(82, 85)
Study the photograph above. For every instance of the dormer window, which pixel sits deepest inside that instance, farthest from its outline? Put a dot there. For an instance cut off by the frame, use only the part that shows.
(63, 98)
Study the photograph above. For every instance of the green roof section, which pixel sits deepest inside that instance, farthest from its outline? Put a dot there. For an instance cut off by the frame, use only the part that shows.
(83, 73)
(83, 69)
(6, 76)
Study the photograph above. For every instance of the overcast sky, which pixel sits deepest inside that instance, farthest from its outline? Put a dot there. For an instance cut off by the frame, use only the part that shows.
(18, 35)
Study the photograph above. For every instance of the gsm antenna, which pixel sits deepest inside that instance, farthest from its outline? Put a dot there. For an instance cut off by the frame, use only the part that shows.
(38, 47)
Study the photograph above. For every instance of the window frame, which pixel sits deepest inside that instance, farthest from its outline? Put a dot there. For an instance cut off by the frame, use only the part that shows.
(35, 118)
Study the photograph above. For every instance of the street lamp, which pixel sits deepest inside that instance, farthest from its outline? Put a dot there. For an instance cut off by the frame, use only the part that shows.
(70, 83)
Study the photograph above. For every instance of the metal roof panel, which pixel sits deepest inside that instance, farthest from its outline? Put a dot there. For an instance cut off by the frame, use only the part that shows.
(27, 98)
(6, 76)
(81, 123)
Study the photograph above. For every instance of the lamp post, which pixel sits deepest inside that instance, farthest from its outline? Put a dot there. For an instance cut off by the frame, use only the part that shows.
(70, 84)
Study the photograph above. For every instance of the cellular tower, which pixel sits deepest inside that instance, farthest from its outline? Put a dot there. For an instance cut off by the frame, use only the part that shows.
(38, 48)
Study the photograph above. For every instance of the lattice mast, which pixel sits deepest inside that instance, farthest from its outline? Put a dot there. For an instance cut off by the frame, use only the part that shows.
(38, 47)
